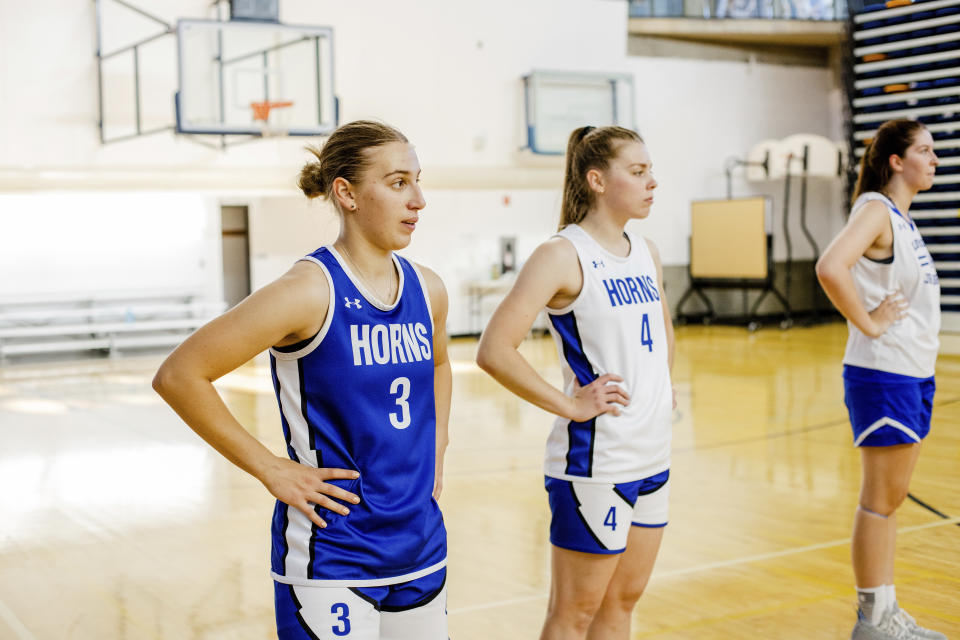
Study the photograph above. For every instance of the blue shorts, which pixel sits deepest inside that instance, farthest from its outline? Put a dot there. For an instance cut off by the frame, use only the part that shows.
(596, 517)
(414, 610)
(887, 408)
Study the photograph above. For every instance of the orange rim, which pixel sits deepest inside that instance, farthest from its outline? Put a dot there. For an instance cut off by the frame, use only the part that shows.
(898, 3)
(261, 110)
(873, 57)
(895, 88)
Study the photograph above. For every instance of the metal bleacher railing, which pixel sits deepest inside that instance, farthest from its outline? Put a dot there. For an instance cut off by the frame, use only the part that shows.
(904, 62)
(733, 9)
(109, 322)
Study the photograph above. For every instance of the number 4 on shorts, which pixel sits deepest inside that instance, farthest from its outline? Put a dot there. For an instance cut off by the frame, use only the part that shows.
(611, 519)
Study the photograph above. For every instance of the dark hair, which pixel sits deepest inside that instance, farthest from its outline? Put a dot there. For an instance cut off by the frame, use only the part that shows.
(344, 155)
(891, 139)
(588, 148)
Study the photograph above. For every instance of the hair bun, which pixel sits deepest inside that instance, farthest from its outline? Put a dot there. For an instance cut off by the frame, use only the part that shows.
(311, 180)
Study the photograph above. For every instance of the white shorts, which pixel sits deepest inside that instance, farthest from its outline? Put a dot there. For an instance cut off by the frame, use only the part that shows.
(596, 517)
(415, 610)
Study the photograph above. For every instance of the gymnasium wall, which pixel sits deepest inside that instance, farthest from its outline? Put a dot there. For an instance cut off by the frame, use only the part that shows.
(56, 243)
(447, 74)
(458, 236)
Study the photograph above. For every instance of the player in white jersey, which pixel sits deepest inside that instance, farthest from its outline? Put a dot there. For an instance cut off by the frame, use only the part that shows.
(880, 276)
(359, 365)
(608, 455)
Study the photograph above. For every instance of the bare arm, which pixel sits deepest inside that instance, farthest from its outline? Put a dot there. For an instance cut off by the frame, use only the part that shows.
(551, 275)
(442, 375)
(867, 233)
(288, 310)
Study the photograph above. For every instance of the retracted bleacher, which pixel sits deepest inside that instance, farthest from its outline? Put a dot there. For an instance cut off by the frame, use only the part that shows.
(101, 322)
(905, 63)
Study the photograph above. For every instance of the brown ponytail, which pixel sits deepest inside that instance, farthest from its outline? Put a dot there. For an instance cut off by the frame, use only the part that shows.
(588, 148)
(891, 139)
(343, 155)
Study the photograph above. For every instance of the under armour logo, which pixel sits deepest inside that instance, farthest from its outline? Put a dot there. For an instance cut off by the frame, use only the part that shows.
(598, 263)
(355, 304)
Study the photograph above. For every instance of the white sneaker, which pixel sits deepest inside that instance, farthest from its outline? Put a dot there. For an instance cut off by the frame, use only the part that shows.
(908, 623)
(890, 627)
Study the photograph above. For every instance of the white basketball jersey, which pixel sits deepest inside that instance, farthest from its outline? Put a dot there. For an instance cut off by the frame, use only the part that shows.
(909, 347)
(615, 325)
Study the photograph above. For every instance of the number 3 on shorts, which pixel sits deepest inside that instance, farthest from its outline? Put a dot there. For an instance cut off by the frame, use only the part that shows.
(342, 611)
(401, 388)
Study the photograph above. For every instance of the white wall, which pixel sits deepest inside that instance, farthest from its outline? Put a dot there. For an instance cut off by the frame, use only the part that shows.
(448, 75)
(282, 230)
(694, 115)
(458, 236)
(108, 243)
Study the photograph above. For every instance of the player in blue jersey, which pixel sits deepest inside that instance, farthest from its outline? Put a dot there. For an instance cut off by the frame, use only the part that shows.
(357, 344)
(608, 455)
(880, 276)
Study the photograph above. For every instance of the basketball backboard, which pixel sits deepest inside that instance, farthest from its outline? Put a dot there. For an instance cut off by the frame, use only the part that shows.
(559, 102)
(235, 76)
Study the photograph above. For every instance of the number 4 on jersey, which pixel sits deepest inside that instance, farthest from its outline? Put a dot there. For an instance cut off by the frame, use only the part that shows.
(645, 338)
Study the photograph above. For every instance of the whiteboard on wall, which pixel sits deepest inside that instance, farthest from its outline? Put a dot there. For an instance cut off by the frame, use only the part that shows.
(558, 102)
(728, 239)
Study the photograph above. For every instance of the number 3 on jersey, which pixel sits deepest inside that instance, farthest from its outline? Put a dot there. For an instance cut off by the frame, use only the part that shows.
(400, 387)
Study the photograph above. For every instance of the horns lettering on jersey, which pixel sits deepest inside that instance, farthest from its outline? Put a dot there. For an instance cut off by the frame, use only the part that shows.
(390, 343)
(629, 290)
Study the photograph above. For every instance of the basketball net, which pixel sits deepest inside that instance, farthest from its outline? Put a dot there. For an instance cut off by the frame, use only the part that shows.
(261, 116)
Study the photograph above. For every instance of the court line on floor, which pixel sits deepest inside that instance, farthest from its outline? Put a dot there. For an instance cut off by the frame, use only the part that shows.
(929, 508)
(762, 438)
(676, 450)
(14, 623)
(789, 552)
(712, 565)
(788, 432)
(700, 447)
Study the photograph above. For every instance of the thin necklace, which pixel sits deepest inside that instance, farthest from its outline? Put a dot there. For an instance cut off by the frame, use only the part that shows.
(385, 300)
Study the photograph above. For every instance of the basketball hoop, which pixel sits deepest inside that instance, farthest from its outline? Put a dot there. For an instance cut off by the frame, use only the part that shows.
(261, 115)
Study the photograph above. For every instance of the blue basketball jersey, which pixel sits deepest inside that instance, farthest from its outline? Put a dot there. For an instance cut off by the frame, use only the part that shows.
(359, 395)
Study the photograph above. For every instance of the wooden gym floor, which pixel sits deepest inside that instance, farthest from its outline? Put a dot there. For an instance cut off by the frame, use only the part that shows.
(116, 521)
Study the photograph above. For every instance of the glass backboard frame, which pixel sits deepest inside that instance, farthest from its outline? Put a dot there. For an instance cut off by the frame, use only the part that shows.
(557, 102)
(215, 109)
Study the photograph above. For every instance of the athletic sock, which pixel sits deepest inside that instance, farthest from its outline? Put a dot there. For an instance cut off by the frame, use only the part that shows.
(873, 603)
(891, 594)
